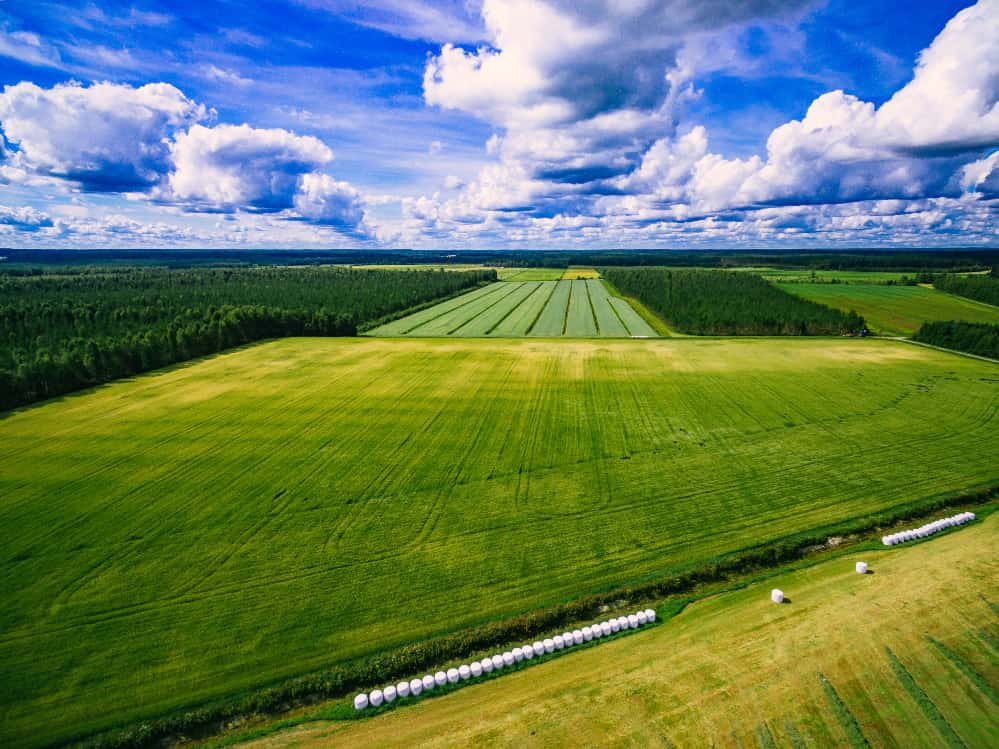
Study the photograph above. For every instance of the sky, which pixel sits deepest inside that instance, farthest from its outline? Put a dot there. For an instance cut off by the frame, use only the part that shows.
(499, 124)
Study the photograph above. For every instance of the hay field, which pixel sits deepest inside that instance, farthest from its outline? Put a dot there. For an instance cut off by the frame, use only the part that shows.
(582, 308)
(192, 533)
(896, 310)
(910, 657)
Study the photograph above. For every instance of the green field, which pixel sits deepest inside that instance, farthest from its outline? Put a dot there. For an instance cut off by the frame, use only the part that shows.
(574, 309)
(530, 274)
(188, 534)
(910, 655)
(896, 310)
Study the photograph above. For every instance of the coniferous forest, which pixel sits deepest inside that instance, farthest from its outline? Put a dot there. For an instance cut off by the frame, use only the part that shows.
(981, 288)
(705, 302)
(68, 330)
(980, 339)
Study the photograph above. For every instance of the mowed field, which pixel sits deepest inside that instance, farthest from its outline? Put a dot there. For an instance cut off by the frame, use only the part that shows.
(908, 655)
(896, 310)
(196, 532)
(582, 308)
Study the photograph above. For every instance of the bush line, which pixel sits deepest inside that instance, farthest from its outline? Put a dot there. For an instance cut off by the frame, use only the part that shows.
(389, 666)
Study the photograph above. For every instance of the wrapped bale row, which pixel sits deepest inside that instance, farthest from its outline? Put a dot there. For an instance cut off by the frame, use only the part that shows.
(414, 688)
(924, 531)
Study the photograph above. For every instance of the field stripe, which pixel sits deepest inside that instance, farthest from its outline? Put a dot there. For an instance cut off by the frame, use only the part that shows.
(483, 324)
(520, 320)
(633, 321)
(445, 324)
(552, 319)
(405, 324)
(579, 318)
(609, 323)
(930, 710)
(849, 723)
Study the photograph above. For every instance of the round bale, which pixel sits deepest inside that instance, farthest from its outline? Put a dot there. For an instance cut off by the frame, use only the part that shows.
(375, 697)
(587, 633)
(487, 664)
(476, 669)
(559, 642)
(415, 687)
(360, 702)
(539, 647)
(389, 694)
(549, 644)
(605, 628)
(615, 625)
(777, 596)
(497, 662)
(650, 614)
(577, 636)
(464, 672)
(440, 678)
(402, 689)
(632, 621)
(642, 618)
(567, 639)
(429, 682)
(508, 659)
(452, 676)
(861, 568)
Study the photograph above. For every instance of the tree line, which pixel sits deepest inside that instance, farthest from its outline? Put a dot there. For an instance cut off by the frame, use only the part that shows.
(60, 332)
(980, 339)
(706, 302)
(981, 288)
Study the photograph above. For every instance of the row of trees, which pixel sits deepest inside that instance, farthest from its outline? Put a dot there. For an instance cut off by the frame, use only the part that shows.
(984, 288)
(62, 332)
(720, 303)
(980, 339)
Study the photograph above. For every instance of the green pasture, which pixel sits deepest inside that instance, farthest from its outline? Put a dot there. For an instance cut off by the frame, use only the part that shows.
(193, 533)
(583, 308)
(907, 656)
(896, 310)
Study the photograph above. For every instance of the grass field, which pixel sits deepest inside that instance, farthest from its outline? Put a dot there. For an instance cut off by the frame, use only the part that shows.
(909, 655)
(572, 274)
(896, 310)
(530, 274)
(196, 532)
(574, 309)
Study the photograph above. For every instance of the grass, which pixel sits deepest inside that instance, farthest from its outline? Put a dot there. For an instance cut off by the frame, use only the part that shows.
(583, 308)
(896, 310)
(198, 532)
(530, 274)
(736, 670)
(573, 274)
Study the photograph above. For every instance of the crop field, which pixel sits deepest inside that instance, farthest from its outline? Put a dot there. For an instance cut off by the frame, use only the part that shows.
(530, 274)
(575, 309)
(896, 310)
(571, 274)
(905, 657)
(192, 533)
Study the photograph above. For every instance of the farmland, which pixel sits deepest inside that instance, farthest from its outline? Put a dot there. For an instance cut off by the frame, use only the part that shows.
(582, 308)
(735, 670)
(189, 534)
(896, 310)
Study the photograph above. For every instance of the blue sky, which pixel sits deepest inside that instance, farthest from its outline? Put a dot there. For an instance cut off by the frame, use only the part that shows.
(499, 123)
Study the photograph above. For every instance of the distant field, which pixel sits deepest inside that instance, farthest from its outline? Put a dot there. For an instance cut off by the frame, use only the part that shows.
(779, 275)
(896, 310)
(185, 535)
(530, 274)
(571, 274)
(574, 309)
(736, 670)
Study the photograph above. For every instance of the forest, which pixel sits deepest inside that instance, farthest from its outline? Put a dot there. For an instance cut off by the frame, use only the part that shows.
(979, 339)
(983, 288)
(64, 331)
(705, 302)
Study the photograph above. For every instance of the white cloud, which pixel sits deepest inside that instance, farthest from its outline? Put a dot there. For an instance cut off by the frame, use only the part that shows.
(29, 48)
(430, 20)
(229, 167)
(323, 200)
(105, 137)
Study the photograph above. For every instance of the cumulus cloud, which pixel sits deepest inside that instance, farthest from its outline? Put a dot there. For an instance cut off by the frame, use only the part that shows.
(228, 167)
(105, 137)
(323, 200)
(25, 219)
(589, 107)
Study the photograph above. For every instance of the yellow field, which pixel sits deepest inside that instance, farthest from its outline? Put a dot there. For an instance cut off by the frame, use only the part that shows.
(736, 670)
(572, 274)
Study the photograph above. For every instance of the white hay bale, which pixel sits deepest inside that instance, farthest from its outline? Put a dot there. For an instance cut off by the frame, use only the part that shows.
(549, 645)
(587, 633)
(415, 687)
(508, 659)
(497, 662)
(429, 682)
(886, 541)
(650, 614)
(577, 636)
(518, 654)
(861, 568)
(389, 693)
(559, 642)
(375, 697)
(632, 621)
(528, 651)
(538, 647)
(970, 515)
(476, 669)
(615, 625)
(605, 628)
(487, 665)
(567, 639)
(642, 618)
(440, 678)
(464, 672)
(360, 702)
(452, 676)
(402, 689)
(777, 596)
(624, 622)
